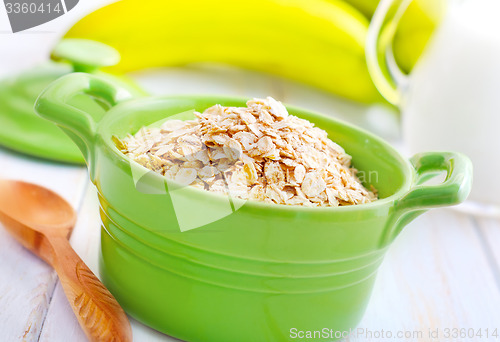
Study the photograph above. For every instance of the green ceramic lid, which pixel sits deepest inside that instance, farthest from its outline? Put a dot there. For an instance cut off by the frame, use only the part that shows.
(85, 55)
(24, 131)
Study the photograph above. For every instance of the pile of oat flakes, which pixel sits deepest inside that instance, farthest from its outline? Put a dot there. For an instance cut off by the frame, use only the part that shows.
(259, 153)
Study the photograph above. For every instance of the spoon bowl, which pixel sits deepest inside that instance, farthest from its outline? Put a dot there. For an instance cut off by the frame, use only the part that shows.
(35, 206)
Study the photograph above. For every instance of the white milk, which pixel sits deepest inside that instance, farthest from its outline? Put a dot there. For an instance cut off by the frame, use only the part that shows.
(453, 99)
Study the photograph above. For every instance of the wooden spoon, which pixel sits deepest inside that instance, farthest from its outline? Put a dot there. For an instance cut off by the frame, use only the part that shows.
(41, 221)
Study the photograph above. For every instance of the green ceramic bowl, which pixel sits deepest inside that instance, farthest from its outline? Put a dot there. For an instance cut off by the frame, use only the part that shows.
(202, 267)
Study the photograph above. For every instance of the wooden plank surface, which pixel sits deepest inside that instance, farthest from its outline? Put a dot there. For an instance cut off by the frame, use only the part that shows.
(436, 275)
(489, 233)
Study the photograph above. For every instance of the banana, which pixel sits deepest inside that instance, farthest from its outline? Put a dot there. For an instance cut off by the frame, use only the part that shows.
(318, 42)
(367, 7)
(415, 29)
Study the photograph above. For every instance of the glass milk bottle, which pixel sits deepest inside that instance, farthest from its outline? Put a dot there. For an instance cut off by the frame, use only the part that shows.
(451, 99)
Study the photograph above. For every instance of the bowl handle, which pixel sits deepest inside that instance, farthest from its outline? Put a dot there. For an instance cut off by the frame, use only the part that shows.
(80, 125)
(453, 190)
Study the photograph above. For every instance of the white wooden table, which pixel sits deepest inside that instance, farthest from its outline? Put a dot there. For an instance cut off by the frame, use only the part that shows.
(442, 272)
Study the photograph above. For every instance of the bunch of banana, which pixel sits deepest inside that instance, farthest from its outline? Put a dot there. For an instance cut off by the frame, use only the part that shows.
(318, 42)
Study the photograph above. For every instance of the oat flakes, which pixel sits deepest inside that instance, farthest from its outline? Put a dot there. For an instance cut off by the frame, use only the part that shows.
(259, 152)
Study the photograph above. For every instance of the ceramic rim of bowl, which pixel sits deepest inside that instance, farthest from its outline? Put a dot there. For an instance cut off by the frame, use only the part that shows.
(404, 163)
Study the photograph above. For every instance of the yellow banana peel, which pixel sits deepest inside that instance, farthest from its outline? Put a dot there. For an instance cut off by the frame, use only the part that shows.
(367, 7)
(317, 42)
(415, 29)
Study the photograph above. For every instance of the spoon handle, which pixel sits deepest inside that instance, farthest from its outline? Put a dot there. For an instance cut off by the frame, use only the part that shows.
(99, 314)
